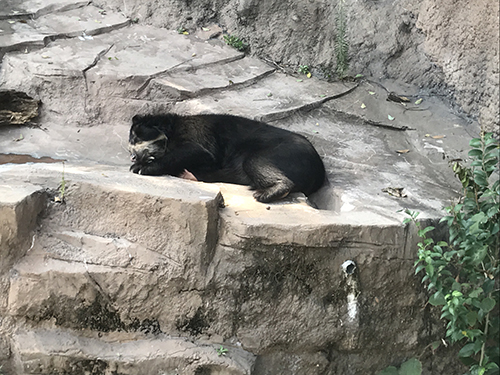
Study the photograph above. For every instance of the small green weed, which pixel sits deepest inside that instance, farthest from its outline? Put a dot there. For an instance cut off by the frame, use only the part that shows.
(235, 42)
(304, 69)
(182, 30)
(221, 351)
(341, 42)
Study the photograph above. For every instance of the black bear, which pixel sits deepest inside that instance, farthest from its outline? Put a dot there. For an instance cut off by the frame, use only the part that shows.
(223, 148)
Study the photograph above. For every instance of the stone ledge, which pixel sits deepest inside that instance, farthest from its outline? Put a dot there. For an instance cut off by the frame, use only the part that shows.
(20, 205)
(47, 351)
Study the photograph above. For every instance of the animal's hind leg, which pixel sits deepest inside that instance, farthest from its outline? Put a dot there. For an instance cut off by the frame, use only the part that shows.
(268, 181)
(277, 191)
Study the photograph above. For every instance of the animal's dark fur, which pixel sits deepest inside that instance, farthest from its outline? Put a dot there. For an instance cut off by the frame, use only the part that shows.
(225, 148)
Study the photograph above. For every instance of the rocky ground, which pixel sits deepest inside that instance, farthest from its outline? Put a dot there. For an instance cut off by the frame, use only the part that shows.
(123, 272)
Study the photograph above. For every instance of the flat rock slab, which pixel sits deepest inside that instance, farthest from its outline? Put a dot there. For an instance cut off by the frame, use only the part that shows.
(208, 79)
(278, 96)
(70, 143)
(84, 21)
(89, 76)
(49, 351)
(36, 8)
(91, 191)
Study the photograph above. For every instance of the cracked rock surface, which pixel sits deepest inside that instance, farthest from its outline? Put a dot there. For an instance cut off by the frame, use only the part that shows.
(104, 271)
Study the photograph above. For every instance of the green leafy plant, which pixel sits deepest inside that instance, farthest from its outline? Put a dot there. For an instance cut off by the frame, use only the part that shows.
(182, 30)
(235, 42)
(304, 69)
(341, 42)
(221, 350)
(463, 272)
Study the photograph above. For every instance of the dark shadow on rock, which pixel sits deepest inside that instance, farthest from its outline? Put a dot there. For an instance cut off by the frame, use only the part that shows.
(17, 108)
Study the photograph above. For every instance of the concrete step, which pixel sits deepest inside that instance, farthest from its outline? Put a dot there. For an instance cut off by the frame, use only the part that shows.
(69, 19)
(80, 295)
(102, 269)
(52, 351)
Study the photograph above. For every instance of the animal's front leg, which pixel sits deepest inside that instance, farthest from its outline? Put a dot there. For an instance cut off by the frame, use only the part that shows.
(186, 157)
(156, 168)
(136, 168)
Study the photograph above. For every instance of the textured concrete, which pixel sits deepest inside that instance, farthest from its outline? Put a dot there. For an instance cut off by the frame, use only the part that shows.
(122, 260)
(40, 351)
(20, 205)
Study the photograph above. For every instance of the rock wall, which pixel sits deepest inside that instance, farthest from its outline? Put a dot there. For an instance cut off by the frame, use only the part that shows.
(446, 47)
(176, 271)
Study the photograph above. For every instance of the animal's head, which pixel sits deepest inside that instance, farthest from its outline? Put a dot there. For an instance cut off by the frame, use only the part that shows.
(146, 142)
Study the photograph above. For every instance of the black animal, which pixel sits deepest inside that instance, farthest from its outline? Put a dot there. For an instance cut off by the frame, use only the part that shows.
(225, 148)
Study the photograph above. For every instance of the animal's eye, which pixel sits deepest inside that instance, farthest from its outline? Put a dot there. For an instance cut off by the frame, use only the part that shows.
(151, 159)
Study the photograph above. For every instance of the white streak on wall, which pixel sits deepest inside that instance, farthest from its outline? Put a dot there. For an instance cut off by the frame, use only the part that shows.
(352, 307)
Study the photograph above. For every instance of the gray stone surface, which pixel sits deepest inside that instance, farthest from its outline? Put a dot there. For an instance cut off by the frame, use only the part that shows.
(20, 205)
(134, 258)
(46, 351)
(34, 26)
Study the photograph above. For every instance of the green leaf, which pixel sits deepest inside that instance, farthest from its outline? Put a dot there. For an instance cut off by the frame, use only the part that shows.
(479, 255)
(475, 143)
(475, 153)
(467, 350)
(476, 293)
(488, 304)
(490, 148)
(422, 232)
(418, 101)
(437, 299)
(471, 318)
(481, 181)
(419, 268)
(390, 117)
(456, 286)
(479, 173)
(430, 270)
(411, 367)
(492, 155)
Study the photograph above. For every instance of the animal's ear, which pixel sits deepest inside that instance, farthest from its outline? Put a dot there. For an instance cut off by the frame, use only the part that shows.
(137, 119)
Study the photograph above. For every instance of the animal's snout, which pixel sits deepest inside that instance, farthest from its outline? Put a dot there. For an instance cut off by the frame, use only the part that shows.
(133, 157)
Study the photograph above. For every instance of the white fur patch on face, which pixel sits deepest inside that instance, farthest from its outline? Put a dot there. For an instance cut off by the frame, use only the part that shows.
(139, 147)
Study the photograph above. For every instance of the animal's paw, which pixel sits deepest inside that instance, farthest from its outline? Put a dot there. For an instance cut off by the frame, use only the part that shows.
(263, 196)
(270, 194)
(136, 168)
